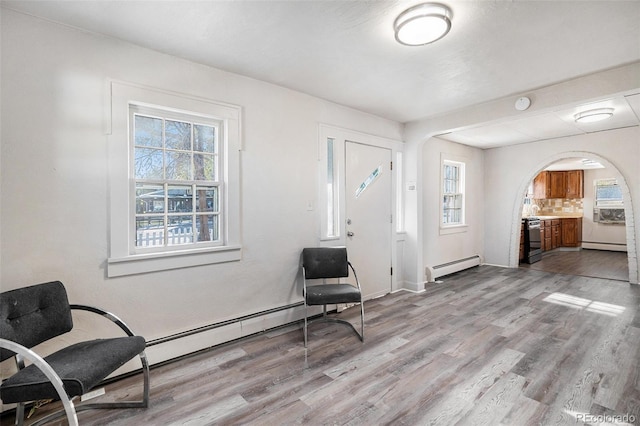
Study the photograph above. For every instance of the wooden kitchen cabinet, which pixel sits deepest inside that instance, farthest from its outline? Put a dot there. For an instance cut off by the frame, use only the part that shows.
(540, 186)
(575, 184)
(559, 184)
(564, 232)
(556, 233)
(545, 234)
(571, 232)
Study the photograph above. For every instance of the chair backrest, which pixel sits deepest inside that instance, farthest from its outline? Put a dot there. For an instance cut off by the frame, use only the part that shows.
(325, 262)
(32, 315)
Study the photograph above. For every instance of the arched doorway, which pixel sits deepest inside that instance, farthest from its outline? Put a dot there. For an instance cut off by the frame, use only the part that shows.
(629, 214)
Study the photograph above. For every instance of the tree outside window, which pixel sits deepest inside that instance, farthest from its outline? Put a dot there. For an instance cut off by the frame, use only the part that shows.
(176, 169)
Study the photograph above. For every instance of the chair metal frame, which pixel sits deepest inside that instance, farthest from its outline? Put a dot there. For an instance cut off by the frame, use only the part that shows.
(69, 409)
(324, 317)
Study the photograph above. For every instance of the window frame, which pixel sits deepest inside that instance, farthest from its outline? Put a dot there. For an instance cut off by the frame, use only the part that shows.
(123, 258)
(607, 203)
(460, 164)
(194, 120)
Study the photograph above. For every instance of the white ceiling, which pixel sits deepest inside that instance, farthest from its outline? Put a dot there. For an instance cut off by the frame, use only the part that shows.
(344, 51)
(551, 125)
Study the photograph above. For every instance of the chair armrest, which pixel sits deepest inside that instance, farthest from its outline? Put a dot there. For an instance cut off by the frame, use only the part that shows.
(355, 275)
(109, 315)
(53, 377)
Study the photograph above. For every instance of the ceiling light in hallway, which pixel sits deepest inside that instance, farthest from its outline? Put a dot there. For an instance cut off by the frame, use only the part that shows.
(422, 24)
(593, 115)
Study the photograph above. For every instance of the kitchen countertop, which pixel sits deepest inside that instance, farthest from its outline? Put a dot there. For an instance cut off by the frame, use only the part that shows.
(564, 216)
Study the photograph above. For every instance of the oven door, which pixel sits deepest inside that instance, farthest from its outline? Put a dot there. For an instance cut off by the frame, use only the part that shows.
(535, 241)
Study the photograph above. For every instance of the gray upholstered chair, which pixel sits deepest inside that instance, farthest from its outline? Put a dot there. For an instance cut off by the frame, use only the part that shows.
(36, 314)
(322, 263)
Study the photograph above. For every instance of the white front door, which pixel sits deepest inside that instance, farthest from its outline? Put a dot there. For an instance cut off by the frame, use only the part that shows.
(368, 216)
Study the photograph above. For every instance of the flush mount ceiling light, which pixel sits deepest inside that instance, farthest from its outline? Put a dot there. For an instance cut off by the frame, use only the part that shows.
(591, 164)
(422, 24)
(593, 115)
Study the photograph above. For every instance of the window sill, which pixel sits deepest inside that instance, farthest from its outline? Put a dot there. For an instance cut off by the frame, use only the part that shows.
(453, 229)
(154, 262)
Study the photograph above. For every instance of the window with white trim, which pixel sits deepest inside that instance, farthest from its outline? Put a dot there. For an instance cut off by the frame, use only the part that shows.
(332, 227)
(399, 193)
(176, 168)
(452, 193)
(608, 193)
(174, 180)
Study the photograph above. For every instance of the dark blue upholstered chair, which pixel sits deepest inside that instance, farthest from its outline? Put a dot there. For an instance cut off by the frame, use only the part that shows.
(33, 315)
(329, 263)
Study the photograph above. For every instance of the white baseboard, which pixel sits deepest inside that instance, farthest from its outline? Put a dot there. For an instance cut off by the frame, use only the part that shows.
(604, 246)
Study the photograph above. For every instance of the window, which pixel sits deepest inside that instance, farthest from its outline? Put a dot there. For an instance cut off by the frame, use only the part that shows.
(452, 193)
(176, 169)
(330, 159)
(399, 193)
(608, 193)
(332, 193)
(174, 180)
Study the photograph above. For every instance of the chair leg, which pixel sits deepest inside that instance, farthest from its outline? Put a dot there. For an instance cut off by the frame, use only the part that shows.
(305, 325)
(19, 414)
(362, 321)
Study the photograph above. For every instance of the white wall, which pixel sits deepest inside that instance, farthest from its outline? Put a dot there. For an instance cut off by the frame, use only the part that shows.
(440, 246)
(55, 189)
(612, 235)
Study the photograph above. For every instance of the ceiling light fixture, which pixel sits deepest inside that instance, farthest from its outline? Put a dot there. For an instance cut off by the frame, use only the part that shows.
(422, 24)
(593, 115)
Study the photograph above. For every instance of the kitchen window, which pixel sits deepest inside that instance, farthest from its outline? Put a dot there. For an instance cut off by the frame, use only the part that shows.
(453, 186)
(174, 180)
(608, 193)
(609, 204)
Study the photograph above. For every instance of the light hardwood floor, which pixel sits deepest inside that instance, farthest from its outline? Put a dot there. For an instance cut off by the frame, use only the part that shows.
(487, 346)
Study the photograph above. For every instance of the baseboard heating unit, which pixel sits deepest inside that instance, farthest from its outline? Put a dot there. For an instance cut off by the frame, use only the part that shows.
(434, 272)
(603, 246)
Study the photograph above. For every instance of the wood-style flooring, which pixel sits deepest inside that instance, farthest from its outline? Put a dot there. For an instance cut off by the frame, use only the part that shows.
(486, 346)
(589, 263)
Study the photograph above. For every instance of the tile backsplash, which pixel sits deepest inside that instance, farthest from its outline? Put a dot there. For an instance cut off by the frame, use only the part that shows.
(551, 207)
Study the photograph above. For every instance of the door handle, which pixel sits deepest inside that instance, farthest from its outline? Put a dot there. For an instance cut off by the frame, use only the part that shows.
(349, 234)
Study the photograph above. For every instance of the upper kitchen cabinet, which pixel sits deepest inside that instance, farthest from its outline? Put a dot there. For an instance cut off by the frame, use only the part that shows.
(575, 184)
(559, 184)
(541, 187)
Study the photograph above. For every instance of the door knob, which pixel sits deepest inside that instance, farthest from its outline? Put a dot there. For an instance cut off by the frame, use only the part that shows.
(349, 234)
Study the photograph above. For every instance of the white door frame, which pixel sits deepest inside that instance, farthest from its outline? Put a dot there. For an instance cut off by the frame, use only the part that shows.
(340, 136)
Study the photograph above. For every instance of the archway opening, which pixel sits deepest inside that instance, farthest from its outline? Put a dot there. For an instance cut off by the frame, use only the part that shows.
(596, 235)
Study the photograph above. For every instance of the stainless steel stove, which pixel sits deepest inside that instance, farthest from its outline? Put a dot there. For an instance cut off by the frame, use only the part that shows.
(532, 240)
